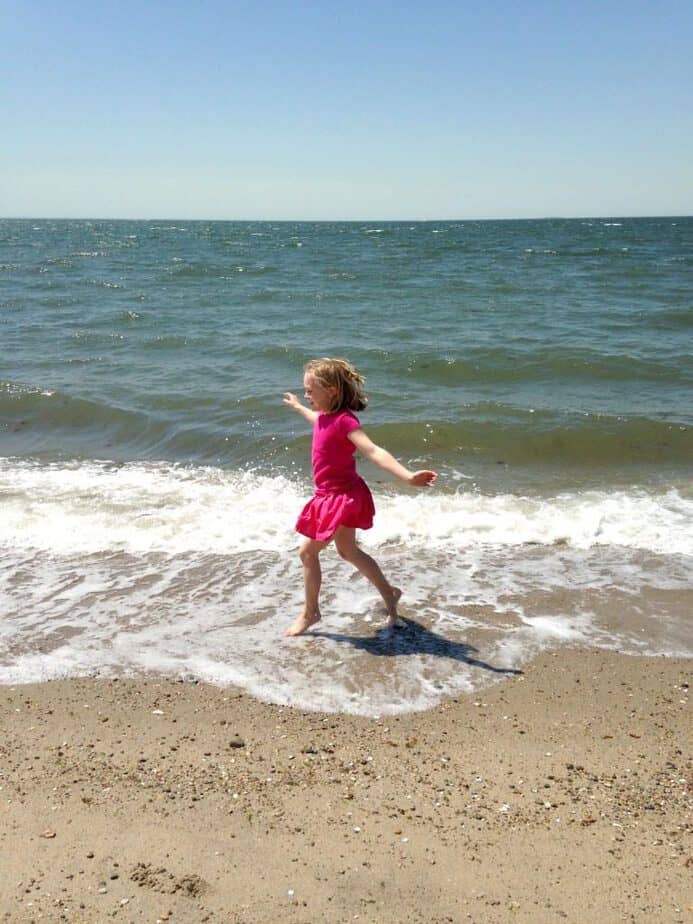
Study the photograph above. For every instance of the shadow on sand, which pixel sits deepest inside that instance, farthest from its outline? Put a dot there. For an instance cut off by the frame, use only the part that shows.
(410, 638)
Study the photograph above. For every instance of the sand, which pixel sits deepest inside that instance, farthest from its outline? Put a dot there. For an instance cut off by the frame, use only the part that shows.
(561, 795)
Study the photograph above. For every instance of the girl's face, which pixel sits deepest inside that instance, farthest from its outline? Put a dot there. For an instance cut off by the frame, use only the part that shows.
(318, 396)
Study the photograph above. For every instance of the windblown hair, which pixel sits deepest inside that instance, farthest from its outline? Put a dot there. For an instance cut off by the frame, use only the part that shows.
(347, 381)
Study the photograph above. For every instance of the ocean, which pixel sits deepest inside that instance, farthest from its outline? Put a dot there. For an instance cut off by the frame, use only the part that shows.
(150, 476)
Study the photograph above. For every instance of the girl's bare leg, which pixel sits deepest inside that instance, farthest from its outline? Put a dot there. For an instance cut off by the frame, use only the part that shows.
(312, 577)
(345, 540)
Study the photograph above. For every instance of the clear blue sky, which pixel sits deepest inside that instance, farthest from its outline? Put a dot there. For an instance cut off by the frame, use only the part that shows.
(345, 110)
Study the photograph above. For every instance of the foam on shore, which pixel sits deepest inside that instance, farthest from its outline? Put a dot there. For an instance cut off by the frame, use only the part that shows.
(133, 569)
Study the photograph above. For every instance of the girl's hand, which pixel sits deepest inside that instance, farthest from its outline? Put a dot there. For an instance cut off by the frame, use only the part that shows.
(290, 400)
(423, 478)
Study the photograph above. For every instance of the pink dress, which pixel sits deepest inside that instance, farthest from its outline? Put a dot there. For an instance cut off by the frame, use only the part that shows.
(342, 497)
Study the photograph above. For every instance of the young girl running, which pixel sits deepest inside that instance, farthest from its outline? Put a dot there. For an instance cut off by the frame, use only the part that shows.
(342, 502)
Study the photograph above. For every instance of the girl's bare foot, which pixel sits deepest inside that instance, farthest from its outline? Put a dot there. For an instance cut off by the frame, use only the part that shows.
(391, 602)
(303, 623)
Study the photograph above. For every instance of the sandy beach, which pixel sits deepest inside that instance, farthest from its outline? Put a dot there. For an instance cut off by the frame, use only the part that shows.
(560, 795)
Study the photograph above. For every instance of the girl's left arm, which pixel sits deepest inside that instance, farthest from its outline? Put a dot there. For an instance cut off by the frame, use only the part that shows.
(385, 460)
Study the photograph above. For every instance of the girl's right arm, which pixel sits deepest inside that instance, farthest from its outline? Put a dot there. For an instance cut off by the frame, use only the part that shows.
(387, 461)
(290, 400)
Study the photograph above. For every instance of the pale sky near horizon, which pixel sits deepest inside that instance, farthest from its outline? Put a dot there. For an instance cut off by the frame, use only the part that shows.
(346, 110)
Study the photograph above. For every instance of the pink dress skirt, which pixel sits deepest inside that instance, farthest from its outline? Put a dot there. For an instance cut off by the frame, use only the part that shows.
(326, 511)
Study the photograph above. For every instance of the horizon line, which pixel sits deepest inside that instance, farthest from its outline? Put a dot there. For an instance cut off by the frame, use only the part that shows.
(557, 217)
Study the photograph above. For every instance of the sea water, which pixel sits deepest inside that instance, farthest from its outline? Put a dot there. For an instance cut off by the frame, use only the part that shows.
(150, 476)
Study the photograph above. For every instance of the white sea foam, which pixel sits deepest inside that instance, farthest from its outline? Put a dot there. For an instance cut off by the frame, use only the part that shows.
(137, 568)
(91, 507)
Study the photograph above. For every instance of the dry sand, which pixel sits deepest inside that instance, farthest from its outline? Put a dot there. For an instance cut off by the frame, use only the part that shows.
(561, 795)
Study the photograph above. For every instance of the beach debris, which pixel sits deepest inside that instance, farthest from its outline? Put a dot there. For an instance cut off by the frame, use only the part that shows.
(48, 833)
(159, 879)
(237, 742)
(157, 711)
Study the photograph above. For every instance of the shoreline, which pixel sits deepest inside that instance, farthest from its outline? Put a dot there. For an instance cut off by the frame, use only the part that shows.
(558, 795)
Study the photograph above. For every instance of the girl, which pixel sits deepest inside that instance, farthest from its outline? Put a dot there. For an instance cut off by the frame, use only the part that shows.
(342, 501)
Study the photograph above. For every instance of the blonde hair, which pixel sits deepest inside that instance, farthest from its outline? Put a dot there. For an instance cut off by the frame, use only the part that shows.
(344, 377)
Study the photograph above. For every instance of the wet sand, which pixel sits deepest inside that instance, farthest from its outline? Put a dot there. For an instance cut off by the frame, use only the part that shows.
(560, 795)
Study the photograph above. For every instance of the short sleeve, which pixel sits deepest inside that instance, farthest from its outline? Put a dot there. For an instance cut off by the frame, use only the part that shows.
(348, 423)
